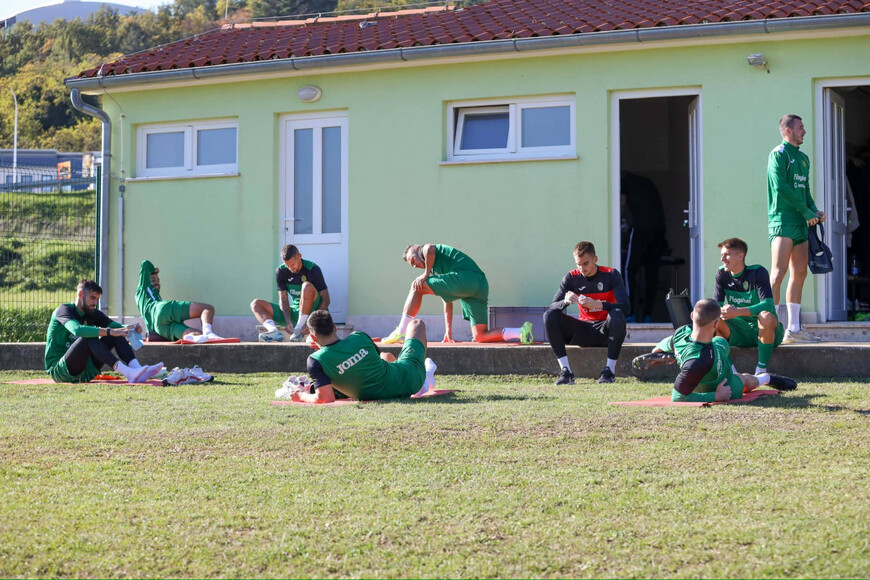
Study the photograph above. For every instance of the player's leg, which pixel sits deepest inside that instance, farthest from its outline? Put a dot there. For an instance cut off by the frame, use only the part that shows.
(409, 311)
(614, 331)
(559, 327)
(309, 300)
(476, 312)
(767, 327)
(270, 316)
(205, 312)
(797, 276)
(263, 312)
(723, 330)
(780, 252)
(86, 355)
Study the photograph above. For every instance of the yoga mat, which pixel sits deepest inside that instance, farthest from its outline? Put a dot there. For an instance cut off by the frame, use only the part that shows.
(429, 395)
(213, 341)
(152, 382)
(666, 401)
(470, 343)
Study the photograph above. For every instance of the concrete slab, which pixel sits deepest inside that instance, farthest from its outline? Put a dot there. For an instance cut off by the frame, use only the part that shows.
(823, 360)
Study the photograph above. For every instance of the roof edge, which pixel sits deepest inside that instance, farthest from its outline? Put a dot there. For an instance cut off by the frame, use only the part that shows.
(489, 47)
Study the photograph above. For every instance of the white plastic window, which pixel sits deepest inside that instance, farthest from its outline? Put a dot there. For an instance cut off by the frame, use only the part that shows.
(188, 149)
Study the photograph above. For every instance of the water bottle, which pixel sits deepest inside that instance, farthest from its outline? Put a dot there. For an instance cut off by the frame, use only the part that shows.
(854, 268)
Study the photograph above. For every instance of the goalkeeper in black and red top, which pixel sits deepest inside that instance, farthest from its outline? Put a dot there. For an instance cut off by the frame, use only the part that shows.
(600, 294)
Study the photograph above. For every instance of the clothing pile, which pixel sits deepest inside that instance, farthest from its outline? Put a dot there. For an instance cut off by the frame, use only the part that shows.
(292, 386)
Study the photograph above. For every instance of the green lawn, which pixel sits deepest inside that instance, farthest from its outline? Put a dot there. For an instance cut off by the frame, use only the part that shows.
(510, 477)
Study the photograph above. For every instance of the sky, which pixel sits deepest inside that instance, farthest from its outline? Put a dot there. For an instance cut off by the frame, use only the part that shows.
(12, 7)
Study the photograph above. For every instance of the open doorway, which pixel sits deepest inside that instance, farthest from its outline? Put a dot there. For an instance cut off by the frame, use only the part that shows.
(659, 203)
(846, 179)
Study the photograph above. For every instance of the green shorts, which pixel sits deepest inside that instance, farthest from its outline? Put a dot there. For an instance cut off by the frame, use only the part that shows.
(405, 376)
(736, 384)
(169, 317)
(278, 316)
(59, 373)
(470, 288)
(744, 332)
(798, 234)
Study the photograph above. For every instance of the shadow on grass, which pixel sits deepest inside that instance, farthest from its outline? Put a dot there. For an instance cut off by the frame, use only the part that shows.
(806, 402)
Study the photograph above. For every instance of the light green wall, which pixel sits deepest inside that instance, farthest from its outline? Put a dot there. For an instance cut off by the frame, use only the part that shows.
(217, 239)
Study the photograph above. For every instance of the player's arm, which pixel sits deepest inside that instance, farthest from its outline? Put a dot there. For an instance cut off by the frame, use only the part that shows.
(320, 285)
(765, 294)
(66, 316)
(778, 174)
(564, 296)
(620, 296)
(284, 305)
(448, 321)
(321, 387)
(688, 380)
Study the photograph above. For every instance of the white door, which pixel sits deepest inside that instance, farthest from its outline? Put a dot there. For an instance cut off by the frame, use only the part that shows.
(835, 196)
(314, 200)
(694, 213)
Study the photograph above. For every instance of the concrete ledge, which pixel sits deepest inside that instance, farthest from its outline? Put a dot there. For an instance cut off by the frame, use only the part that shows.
(822, 360)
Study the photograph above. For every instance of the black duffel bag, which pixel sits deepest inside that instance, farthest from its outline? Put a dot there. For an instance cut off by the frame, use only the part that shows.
(821, 258)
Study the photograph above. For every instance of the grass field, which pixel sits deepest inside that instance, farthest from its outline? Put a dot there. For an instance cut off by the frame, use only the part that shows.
(510, 477)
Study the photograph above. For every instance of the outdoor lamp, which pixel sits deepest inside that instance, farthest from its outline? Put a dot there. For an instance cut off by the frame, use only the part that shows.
(309, 94)
(758, 60)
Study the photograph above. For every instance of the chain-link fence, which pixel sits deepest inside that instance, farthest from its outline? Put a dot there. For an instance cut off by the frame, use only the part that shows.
(48, 230)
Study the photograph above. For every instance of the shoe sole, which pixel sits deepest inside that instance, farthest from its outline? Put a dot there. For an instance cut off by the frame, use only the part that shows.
(647, 361)
(199, 381)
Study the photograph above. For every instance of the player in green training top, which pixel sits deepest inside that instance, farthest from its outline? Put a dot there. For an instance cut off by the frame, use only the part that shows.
(301, 290)
(452, 275)
(80, 340)
(748, 315)
(354, 367)
(706, 373)
(166, 318)
(791, 211)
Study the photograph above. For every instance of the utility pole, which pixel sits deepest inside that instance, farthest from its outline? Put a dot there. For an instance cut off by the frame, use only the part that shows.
(15, 142)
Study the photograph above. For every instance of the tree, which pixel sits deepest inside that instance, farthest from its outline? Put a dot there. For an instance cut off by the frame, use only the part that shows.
(278, 8)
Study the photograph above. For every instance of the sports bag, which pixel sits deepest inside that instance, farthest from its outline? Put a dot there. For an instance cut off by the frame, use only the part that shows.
(679, 307)
(821, 258)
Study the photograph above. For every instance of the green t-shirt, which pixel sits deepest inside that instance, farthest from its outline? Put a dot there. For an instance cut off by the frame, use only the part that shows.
(449, 259)
(66, 325)
(685, 350)
(788, 187)
(147, 296)
(751, 289)
(353, 366)
(291, 282)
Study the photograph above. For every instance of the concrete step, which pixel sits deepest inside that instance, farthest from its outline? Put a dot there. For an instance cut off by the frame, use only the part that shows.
(829, 359)
(828, 331)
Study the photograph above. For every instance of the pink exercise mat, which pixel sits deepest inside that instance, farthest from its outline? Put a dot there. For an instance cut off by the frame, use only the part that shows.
(152, 382)
(429, 395)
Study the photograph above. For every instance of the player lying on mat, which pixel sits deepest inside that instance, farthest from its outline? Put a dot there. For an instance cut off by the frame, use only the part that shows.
(301, 290)
(600, 294)
(166, 318)
(80, 340)
(354, 367)
(748, 314)
(706, 372)
(451, 275)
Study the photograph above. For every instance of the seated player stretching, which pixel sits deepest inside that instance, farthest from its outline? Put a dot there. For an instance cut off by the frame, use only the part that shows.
(80, 340)
(706, 372)
(600, 294)
(354, 367)
(301, 290)
(166, 318)
(452, 275)
(748, 314)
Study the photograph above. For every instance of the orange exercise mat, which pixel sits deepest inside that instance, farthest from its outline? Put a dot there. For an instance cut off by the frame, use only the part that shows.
(667, 402)
(212, 341)
(429, 395)
(96, 381)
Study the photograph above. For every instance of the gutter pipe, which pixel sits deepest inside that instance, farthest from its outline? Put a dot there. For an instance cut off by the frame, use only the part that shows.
(105, 184)
(491, 47)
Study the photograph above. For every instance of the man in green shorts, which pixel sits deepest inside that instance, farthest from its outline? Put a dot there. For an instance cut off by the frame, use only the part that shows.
(452, 275)
(165, 318)
(748, 316)
(80, 340)
(706, 373)
(791, 211)
(301, 290)
(353, 367)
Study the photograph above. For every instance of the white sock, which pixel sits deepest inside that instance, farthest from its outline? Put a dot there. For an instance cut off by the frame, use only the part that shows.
(510, 333)
(300, 324)
(563, 363)
(794, 316)
(134, 364)
(781, 313)
(763, 379)
(760, 371)
(431, 367)
(206, 328)
(195, 338)
(131, 374)
(403, 325)
(611, 364)
(270, 325)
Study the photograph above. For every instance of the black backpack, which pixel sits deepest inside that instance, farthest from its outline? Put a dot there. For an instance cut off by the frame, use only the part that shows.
(821, 259)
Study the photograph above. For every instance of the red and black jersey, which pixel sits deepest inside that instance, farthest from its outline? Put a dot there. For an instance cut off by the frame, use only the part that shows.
(606, 285)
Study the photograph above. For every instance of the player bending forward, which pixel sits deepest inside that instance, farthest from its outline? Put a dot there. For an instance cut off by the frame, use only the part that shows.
(706, 373)
(354, 367)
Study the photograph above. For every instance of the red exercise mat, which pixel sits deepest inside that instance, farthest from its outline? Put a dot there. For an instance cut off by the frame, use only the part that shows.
(152, 382)
(667, 402)
(429, 395)
(212, 341)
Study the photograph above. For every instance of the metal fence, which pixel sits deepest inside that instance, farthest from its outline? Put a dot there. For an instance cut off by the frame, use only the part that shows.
(48, 231)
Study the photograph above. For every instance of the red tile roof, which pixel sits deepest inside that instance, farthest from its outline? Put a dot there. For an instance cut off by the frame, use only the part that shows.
(496, 19)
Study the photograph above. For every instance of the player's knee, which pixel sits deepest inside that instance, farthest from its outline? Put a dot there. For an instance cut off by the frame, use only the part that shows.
(255, 305)
(551, 315)
(308, 289)
(616, 317)
(766, 319)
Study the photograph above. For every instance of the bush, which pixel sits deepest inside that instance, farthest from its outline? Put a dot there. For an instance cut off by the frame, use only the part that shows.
(24, 324)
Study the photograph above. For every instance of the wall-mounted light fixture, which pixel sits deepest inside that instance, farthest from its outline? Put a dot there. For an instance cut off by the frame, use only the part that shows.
(758, 60)
(309, 94)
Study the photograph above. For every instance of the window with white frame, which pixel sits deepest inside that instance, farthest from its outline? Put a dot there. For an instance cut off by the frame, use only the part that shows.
(528, 128)
(188, 149)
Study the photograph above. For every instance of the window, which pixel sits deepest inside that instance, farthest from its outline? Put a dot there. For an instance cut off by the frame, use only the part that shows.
(188, 149)
(519, 129)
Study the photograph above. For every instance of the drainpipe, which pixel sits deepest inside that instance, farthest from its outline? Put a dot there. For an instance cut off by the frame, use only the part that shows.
(106, 148)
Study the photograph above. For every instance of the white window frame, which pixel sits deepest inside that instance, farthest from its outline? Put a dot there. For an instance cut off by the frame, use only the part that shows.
(514, 151)
(189, 168)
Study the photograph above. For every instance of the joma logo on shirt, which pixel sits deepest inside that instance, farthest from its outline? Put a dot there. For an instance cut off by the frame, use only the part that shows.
(346, 364)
